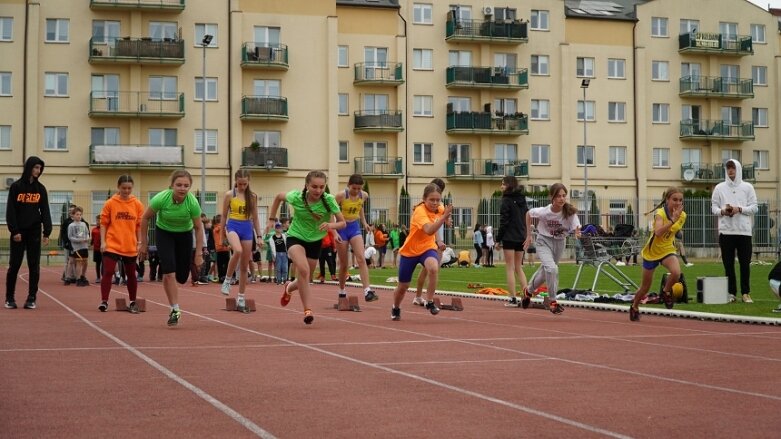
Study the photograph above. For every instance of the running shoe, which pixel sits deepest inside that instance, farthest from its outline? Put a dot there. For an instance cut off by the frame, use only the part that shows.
(432, 308)
(778, 309)
(747, 299)
(285, 299)
(173, 318)
(395, 314)
(634, 314)
(30, 304)
(419, 301)
(225, 289)
(527, 298)
(103, 307)
(555, 308)
(241, 305)
(370, 296)
(133, 308)
(667, 298)
(10, 304)
(308, 317)
(512, 303)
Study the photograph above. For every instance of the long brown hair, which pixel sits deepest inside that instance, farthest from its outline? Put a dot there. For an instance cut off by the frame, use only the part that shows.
(180, 173)
(568, 209)
(309, 177)
(249, 196)
(669, 192)
(431, 187)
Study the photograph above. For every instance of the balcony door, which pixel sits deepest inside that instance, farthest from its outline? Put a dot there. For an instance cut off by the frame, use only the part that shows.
(163, 30)
(375, 61)
(729, 77)
(267, 36)
(375, 104)
(505, 156)
(504, 63)
(691, 114)
(459, 155)
(374, 153)
(267, 87)
(105, 88)
(162, 136)
(692, 70)
(105, 136)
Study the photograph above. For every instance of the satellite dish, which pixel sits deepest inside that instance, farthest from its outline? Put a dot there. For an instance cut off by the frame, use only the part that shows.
(688, 174)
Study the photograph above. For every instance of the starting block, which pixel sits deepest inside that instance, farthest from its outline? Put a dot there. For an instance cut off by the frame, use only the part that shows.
(349, 303)
(455, 304)
(122, 304)
(230, 305)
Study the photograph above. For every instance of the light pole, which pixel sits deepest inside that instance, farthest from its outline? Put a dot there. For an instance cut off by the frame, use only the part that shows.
(584, 85)
(207, 39)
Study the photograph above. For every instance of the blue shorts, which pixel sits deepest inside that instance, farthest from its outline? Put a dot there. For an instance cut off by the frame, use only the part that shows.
(352, 229)
(243, 228)
(407, 264)
(651, 265)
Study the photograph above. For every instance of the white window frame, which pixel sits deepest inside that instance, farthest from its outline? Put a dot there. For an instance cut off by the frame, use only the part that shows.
(660, 113)
(422, 59)
(590, 155)
(211, 141)
(759, 76)
(617, 156)
(616, 68)
(616, 112)
(61, 30)
(56, 201)
(542, 68)
(540, 109)
(167, 29)
(344, 104)
(540, 155)
(201, 29)
(109, 31)
(660, 71)
(268, 139)
(55, 138)
(759, 117)
(758, 34)
(761, 159)
(422, 13)
(162, 93)
(343, 56)
(344, 151)
(6, 28)
(422, 153)
(211, 89)
(660, 158)
(164, 134)
(688, 25)
(52, 84)
(727, 154)
(590, 111)
(423, 106)
(660, 27)
(692, 156)
(5, 84)
(5, 137)
(584, 67)
(540, 20)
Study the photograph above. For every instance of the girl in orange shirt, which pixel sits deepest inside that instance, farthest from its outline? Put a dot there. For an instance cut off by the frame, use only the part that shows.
(421, 247)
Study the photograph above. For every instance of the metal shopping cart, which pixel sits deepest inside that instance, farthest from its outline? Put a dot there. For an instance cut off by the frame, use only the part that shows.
(600, 252)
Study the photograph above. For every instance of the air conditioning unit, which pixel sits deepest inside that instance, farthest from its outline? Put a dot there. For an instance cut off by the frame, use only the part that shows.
(576, 193)
(488, 11)
(9, 181)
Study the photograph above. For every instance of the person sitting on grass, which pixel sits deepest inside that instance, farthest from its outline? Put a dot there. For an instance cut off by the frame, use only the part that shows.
(774, 277)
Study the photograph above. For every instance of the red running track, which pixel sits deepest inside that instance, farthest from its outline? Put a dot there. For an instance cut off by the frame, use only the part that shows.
(68, 370)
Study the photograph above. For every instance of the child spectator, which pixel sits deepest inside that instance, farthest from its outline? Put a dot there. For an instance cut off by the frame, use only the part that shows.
(79, 237)
(278, 245)
(221, 248)
(327, 256)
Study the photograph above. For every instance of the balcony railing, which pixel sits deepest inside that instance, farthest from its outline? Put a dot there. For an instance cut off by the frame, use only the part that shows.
(496, 32)
(378, 121)
(487, 169)
(497, 124)
(136, 51)
(145, 5)
(379, 73)
(716, 44)
(716, 86)
(486, 77)
(711, 172)
(716, 129)
(142, 104)
(136, 156)
(264, 108)
(270, 158)
(379, 167)
(264, 56)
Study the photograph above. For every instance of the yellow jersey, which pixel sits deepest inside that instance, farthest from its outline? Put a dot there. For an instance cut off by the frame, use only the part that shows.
(658, 247)
(238, 208)
(351, 209)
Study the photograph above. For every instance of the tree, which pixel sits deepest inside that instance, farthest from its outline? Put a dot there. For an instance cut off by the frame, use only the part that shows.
(450, 238)
(367, 203)
(405, 208)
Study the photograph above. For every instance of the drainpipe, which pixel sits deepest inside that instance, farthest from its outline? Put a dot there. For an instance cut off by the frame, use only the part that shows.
(406, 103)
(24, 79)
(230, 93)
(634, 104)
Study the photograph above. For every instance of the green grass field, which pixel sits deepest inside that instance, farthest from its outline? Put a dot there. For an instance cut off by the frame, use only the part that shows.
(456, 279)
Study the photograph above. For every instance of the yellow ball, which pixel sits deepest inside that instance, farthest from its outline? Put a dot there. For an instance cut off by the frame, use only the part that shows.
(677, 291)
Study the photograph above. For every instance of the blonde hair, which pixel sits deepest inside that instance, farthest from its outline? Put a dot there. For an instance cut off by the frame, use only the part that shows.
(669, 192)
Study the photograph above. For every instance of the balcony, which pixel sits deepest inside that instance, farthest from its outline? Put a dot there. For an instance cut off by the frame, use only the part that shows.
(175, 6)
(128, 50)
(270, 159)
(379, 167)
(378, 121)
(135, 156)
(379, 74)
(487, 77)
(716, 130)
(711, 173)
(487, 169)
(273, 108)
(136, 104)
(264, 56)
(494, 32)
(493, 124)
(715, 44)
(716, 87)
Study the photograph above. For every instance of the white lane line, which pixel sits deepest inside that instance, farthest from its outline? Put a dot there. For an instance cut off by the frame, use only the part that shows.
(415, 363)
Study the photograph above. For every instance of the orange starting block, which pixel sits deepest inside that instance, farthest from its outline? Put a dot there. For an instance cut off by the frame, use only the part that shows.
(455, 304)
(349, 303)
(230, 305)
(122, 304)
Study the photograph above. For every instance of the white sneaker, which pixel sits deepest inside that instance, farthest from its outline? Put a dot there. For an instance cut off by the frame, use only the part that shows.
(225, 289)
(240, 302)
(420, 301)
(777, 309)
(731, 298)
(747, 299)
(620, 263)
(690, 264)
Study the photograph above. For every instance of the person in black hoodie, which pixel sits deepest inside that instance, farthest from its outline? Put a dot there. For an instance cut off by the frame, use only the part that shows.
(512, 234)
(27, 211)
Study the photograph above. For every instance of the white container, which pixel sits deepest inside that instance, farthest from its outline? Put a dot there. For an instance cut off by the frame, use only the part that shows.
(712, 290)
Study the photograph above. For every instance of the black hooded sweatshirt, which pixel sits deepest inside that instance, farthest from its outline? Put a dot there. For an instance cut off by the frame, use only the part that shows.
(512, 218)
(28, 202)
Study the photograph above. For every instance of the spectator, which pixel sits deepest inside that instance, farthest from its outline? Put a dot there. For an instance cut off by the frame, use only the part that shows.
(774, 277)
(463, 258)
(489, 244)
(327, 256)
(393, 240)
(380, 243)
(448, 257)
(477, 240)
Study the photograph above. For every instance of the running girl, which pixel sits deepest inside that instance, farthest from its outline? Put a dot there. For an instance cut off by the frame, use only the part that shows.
(313, 212)
(421, 248)
(512, 234)
(120, 234)
(669, 218)
(556, 221)
(177, 213)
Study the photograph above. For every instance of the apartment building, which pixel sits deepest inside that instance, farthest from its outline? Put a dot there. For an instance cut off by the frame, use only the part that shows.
(646, 93)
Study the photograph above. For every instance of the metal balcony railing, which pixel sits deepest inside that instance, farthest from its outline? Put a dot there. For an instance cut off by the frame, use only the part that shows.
(715, 43)
(497, 124)
(711, 172)
(269, 158)
(486, 77)
(716, 129)
(497, 32)
(264, 108)
(145, 5)
(392, 167)
(135, 156)
(136, 104)
(487, 168)
(136, 50)
(264, 56)
(378, 121)
(716, 86)
(379, 73)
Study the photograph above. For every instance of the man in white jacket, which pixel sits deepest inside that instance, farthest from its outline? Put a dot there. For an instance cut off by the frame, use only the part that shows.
(735, 203)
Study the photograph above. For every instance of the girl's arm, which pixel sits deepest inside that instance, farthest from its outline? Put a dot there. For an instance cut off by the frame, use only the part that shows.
(226, 202)
(338, 225)
(527, 243)
(431, 228)
(362, 214)
(256, 221)
(272, 213)
(143, 243)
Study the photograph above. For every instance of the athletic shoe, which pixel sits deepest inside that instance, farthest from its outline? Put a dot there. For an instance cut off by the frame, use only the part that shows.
(419, 301)
(173, 318)
(634, 314)
(285, 299)
(334, 278)
(667, 298)
(778, 309)
(370, 296)
(200, 282)
(29, 304)
(555, 308)
(225, 289)
(133, 308)
(395, 314)
(620, 263)
(97, 281)
(689, 264)
(747, 298)
(308, 317)
(103, 306)
(10, 304)
(527, 298)
(241, 305)
(321, 279)
(512, 303)
(432, 308)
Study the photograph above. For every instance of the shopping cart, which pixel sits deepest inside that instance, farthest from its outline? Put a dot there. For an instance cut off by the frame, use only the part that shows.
(600, 252)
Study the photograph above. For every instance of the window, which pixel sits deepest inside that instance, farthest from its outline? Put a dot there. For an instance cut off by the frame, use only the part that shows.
(344, 107)
(540, 155)
(539, 20)
(375, 104)
(759, 75)
(211, 89)
(589, 111)
(422, 59)
(5, 83)
(658, 26)
(55, 138)
(660, 158)
(729, 31)
(616, 68)
(210, 204)
(162, 136)
(761, 159)
(5, 136)
(58, 201)
(727, 154)
(267, 87)
(55, 84)
(616, 111)
(104, 136)
(374, 152)
(758, 33)
(342, 59)
(661, 113)
(268, 139)
(162, 88)
(267, 36)
(585, 67)
(202, 29)
(423, 106)
(105, 32)
(458, 104)
(660, 71)
(421, 153)
(617, 156)
(459, 58)
(343, 149)
(540, 65)
(589, 155)
(160, 30)
(692, 70)
(378, 216)
(458, 153)
(422, 13)
(98, 200)
(462, 217)
(57, 30)
(730, 115)
(540, 109)
(688, 26)
(691, 156)
(375, 57)
(211, 141)
(502, 14)
(759, 117)
(6, 28)
(505, 106)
